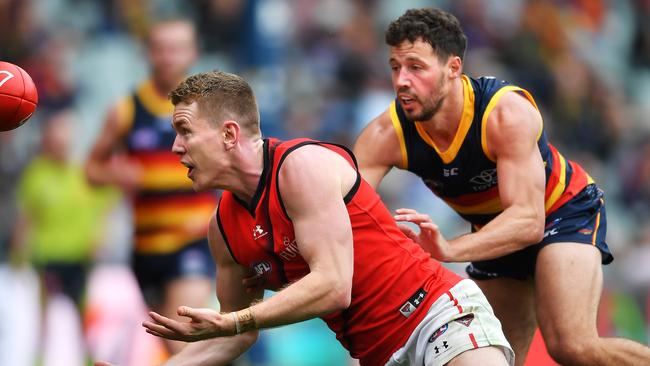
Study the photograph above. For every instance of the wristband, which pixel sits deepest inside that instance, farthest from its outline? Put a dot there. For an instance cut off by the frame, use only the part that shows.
(245, 321)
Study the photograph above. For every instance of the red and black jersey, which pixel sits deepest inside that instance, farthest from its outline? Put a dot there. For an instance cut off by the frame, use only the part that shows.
(394, 282)
(465, 175)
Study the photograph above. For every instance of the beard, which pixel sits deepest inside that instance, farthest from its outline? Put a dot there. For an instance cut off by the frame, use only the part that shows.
(429, 109)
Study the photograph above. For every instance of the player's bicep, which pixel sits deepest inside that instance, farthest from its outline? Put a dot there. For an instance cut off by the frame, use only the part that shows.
(378, 149)
(320, 219)
(513, 129)
(230, 291)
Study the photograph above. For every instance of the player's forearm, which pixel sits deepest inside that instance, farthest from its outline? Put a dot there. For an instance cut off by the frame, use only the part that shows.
(312, 296)
(511, 231)
(214, 352)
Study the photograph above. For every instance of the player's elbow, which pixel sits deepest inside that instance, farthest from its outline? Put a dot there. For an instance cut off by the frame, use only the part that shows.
(534, 232)
(340, 295)
(342, 298)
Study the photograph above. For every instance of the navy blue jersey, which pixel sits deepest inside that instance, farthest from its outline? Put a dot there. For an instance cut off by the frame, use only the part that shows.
(168, 214)
(465, 175)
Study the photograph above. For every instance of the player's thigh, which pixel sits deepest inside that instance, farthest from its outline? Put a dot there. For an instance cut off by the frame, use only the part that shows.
(485, 356)
(513, 302)
(568, 284)
(503, 292)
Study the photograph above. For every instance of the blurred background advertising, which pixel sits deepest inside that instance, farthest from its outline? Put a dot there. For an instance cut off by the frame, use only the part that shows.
(319, 69)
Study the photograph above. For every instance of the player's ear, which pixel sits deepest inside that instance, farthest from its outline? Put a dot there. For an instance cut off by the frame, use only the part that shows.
(455, 65)
(231, 133)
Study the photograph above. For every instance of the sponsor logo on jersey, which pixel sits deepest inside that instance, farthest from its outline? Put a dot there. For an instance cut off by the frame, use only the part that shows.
(413, 302)
(484, 180)
(262, 267)
(450, 172)
(144, 138)
(258, 232)
(290, 250)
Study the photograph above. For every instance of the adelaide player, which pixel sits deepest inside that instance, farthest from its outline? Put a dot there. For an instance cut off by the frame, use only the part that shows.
(538, 219)
(171, 258)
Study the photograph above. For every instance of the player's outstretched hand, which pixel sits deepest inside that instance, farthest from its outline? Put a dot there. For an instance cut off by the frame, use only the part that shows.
(202, 324)
(429, 237)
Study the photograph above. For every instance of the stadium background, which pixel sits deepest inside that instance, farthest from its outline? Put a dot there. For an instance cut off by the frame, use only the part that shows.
(319, 69)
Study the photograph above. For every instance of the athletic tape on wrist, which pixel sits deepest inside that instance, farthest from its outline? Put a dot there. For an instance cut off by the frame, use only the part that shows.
(245, 321)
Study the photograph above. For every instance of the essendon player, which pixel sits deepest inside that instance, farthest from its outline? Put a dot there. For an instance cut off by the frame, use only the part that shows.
(299, 214)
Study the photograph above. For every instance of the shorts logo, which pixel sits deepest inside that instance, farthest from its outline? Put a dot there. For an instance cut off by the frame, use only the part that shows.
(586, 231)
(465, 320)
(551, 232)
(412, 303)
(438, 333)
(552, 223)
(437, 349)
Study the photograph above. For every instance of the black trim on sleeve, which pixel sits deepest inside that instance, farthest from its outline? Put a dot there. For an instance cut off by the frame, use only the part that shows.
(350, 195)
(355, 188)
(223, 233)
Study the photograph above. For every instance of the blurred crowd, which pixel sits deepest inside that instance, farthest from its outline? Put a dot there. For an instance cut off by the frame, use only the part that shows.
(319, 69)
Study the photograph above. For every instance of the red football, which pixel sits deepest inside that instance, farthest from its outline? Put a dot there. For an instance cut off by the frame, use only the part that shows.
(18, 96)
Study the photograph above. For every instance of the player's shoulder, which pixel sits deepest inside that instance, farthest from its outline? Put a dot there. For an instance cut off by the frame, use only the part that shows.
(513, 108)
(381, 140)
(378, 133)
(513, 117)
(308, 156)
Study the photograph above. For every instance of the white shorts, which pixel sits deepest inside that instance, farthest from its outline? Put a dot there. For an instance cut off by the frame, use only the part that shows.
(458, 321)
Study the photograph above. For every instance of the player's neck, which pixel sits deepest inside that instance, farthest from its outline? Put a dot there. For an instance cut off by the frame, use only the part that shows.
(248, 170)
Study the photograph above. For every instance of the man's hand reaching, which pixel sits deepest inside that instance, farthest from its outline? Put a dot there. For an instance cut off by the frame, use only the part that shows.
(202, 324)
(429, 237)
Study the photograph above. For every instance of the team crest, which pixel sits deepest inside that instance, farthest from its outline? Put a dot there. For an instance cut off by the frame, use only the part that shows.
(465, 320)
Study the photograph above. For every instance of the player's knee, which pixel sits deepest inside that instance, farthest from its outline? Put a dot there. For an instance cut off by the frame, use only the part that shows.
(572, 350)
